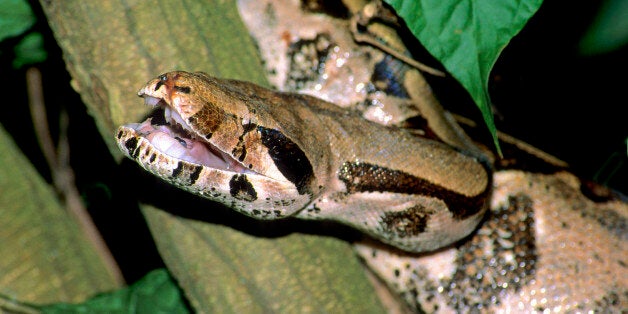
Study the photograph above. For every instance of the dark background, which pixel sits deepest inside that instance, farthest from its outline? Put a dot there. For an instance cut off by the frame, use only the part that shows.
(543, 90)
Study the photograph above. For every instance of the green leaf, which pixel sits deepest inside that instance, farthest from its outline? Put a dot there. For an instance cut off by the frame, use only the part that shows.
(226, 271)
(16, 17)
(45, 257)
(467, 36)
(609, 31)
(155, 293)
(30, 50)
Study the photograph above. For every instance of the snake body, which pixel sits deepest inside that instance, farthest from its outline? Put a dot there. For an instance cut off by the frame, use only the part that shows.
(448, 234)
(272, 155)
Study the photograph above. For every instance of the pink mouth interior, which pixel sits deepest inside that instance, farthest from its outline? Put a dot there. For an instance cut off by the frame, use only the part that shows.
(176, 140)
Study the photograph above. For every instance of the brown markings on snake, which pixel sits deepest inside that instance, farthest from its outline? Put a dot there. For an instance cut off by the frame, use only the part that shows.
(317, 50)
(239, 151)
(509, 232)
(177, 171)
(195, 174)
(208, 119)
(409, 222)
(365, 177)
(184, 168)
(182, 89)
(240, 188)
(289, 158)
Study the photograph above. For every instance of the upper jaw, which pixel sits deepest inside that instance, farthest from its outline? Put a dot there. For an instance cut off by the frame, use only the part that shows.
(170, 115)
(151, 100)
(156, 89)
(155, 97)
(146, 90)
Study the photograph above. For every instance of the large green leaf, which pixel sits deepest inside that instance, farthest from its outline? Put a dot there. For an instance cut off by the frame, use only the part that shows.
(44, 256)
(467, 36)
(226, 271)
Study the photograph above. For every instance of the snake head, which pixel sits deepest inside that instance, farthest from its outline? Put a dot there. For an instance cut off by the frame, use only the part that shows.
(209, 141)
(191, 119)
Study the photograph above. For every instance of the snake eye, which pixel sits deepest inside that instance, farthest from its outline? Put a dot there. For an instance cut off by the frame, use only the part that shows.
(162, 80)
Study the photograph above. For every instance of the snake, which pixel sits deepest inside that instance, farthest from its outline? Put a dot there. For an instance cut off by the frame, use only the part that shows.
(450, 228)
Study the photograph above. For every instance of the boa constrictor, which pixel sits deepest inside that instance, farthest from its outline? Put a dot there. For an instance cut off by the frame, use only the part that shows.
(272, 155)
(542, 246)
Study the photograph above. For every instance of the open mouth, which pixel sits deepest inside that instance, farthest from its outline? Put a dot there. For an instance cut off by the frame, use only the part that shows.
(167, 132)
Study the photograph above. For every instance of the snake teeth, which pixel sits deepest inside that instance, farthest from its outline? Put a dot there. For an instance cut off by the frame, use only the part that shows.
(151, 101)
(174, 118)
(175, 140)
